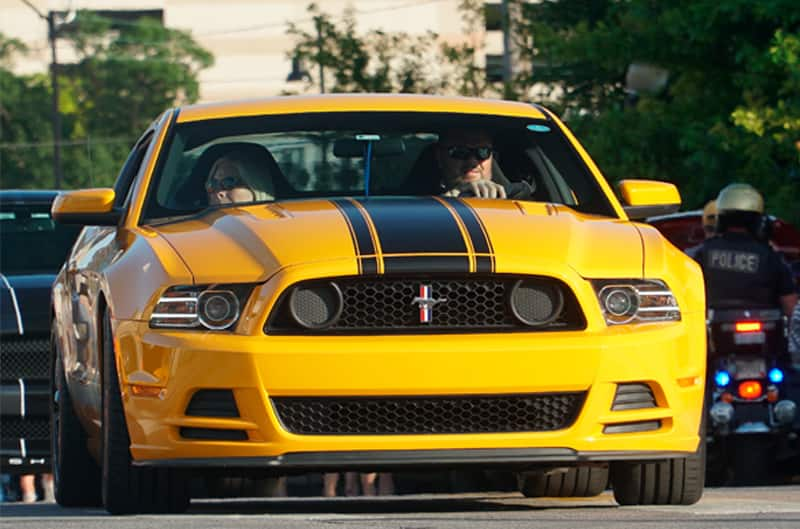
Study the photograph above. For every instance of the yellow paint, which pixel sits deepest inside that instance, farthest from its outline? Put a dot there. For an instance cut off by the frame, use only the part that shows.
(357, 103)
(648, 192)
(83, 202)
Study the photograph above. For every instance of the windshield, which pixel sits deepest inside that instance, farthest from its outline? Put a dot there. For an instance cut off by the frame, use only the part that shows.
(321, 155)
(31, 242)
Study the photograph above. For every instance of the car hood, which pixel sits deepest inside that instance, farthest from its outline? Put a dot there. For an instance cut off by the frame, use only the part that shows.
(404, 235)
(25, 303)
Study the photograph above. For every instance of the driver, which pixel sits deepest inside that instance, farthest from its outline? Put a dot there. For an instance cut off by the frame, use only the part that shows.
(464, 159)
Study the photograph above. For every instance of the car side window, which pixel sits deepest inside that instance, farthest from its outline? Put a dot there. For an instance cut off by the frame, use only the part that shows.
(124, 183)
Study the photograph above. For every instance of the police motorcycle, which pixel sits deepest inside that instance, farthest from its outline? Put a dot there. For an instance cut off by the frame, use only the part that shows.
(750, 431)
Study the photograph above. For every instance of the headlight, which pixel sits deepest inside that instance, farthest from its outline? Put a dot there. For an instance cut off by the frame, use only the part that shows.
(213, 307)
(636, 301)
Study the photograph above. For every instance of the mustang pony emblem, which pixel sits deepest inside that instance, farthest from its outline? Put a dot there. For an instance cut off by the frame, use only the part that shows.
(425, 301)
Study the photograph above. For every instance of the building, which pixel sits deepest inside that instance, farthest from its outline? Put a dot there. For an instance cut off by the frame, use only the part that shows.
(247, 37)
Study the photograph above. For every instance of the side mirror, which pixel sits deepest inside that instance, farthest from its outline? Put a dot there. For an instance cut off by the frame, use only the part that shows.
(89, 207)
(648, 198)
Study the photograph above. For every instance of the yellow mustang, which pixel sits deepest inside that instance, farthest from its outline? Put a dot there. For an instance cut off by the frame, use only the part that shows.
(294, 284)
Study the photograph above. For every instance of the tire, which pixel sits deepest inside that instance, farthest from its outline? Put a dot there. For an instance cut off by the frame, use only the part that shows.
(575, 482)
(127, 489)
(76, 475)
(670, 482)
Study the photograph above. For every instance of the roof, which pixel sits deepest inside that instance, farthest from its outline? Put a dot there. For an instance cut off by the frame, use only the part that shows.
(28, 196)
(358, 103)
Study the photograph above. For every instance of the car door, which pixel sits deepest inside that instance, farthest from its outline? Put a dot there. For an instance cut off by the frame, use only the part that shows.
(98, 247)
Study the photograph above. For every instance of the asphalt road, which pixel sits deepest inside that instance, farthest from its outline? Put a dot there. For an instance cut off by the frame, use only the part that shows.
(721, 508)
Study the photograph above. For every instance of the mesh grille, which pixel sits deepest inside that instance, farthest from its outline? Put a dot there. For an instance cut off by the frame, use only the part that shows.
(29, 428)
(427, 415)
(25, 357)
(386, 304)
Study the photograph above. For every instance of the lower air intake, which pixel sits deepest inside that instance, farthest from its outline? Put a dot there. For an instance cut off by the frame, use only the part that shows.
(428, 415)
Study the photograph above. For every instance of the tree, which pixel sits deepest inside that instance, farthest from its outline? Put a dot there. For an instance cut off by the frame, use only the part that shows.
(376, 61)
(24, 121)
(125, 75)
(730, 110)
(128, 73)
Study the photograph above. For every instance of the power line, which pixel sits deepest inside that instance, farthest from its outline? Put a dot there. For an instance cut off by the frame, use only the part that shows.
(258, 27)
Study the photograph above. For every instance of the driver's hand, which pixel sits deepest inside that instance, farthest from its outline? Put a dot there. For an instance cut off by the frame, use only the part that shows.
(480, 189)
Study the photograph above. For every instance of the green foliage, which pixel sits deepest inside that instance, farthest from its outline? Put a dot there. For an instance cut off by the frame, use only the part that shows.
(730, 111)
(125, 75)
(24, 121)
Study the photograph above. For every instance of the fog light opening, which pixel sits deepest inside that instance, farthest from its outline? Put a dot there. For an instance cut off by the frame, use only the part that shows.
(785, 412)
(721, 413)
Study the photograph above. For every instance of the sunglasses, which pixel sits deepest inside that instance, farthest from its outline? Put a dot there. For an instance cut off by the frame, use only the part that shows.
(462, 152)
(224, 184)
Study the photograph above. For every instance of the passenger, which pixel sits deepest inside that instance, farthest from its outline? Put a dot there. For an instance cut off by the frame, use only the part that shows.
(741, 270)
(464, 158)
(236, 177)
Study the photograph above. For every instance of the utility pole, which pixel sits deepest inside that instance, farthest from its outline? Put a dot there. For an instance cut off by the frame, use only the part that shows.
(508, 51)
(56, 113)
(51, 32)
(318, 22)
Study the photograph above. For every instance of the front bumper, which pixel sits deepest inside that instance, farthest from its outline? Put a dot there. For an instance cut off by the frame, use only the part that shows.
(410, 459)
(173, 365)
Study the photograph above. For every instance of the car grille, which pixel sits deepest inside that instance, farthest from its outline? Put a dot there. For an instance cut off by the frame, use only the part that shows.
(25, 357)
(428, 415)
(386, 305)
(28, 428)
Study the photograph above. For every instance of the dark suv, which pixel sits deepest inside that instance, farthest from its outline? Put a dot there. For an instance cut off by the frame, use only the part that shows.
(32, 250)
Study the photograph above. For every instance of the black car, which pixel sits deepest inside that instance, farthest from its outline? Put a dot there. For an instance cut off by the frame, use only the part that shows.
(32, 250)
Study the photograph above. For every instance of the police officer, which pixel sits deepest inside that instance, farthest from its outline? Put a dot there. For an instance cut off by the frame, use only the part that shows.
(741, 269)
(709, 226)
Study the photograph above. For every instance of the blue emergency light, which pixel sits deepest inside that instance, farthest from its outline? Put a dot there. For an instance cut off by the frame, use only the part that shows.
(775, 375)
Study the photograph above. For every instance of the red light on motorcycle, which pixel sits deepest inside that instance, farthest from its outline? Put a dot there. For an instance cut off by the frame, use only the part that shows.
(772, 394)
(726, 397)
(750, 389)
(748, 326)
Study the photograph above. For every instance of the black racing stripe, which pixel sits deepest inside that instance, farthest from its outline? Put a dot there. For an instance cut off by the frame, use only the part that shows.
(352, 234)
(369, 265)
(484, 264)
(364, 244)
(414, 225)
(471, 221)
(426, 263)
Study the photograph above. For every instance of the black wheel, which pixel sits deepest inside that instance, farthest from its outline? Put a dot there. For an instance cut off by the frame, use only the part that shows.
(752, 459)
(76, 476)
(127, 489)
(572, 482)
(670, 482)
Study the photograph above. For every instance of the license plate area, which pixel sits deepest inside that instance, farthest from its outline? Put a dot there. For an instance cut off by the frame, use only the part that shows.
(750, 338)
